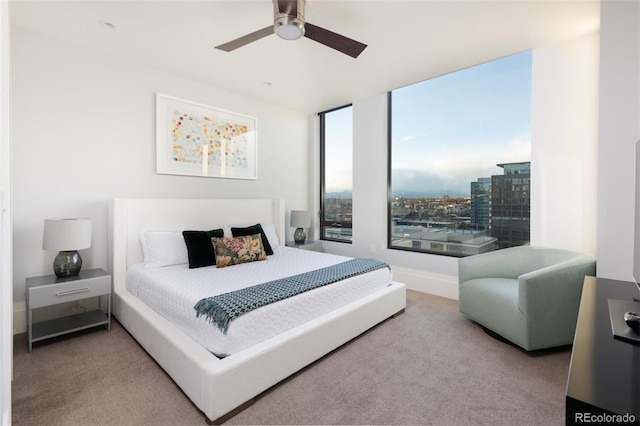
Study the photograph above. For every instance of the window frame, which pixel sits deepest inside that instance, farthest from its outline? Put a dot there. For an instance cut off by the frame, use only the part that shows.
(456, 252)
(322, 222)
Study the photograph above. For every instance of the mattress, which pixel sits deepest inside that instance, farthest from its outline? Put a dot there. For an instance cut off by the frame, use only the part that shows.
(172, 291)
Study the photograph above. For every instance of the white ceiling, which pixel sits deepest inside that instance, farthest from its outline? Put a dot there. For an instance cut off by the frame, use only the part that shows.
(408, 41)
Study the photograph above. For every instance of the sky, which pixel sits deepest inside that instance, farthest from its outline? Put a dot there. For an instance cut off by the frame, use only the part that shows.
(339, 150)
(448, 131)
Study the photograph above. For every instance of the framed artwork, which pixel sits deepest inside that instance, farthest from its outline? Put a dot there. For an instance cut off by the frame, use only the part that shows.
(199, 140)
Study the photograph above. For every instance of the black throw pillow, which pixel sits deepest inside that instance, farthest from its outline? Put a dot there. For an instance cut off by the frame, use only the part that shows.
(252, 230)
(200, 247)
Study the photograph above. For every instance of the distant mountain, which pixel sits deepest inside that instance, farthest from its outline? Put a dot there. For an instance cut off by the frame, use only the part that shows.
(436, 193)
(340, 195)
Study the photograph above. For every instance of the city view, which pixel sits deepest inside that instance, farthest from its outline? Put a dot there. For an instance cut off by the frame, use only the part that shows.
(459, 158)
(494, 216)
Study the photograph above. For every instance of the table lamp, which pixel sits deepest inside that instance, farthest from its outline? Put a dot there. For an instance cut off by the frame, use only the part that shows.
(67, 236)
(300, 220)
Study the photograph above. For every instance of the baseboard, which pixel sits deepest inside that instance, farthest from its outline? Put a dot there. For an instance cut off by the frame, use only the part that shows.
(427, 282)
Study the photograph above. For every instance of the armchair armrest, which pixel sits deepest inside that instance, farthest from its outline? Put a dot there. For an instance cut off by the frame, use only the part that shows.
(555, 288)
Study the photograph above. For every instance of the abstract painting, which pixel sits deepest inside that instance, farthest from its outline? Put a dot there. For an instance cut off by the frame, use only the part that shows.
(199, 140)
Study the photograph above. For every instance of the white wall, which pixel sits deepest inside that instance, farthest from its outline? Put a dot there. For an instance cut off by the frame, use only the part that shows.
(84, 132)
(619, 130)
(564, 140)
(564, 144)
(6, 293)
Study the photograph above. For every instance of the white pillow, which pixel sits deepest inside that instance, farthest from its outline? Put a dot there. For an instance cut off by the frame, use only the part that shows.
(270, 231)
(268, 228)
(163, 248)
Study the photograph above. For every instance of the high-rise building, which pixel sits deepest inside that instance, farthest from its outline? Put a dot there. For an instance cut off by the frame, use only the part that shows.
(480, 209)
(510, 205)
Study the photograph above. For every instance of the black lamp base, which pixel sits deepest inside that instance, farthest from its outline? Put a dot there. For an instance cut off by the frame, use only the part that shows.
(299, 236)
(67, 264)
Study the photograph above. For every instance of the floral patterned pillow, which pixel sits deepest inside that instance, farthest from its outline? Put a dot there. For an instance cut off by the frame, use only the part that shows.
(236, 250)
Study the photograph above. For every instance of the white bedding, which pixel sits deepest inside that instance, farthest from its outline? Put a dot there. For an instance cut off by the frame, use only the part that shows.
(172, 291)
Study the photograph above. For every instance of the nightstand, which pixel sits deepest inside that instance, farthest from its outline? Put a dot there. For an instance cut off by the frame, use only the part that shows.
(307, 245)
(50, 290)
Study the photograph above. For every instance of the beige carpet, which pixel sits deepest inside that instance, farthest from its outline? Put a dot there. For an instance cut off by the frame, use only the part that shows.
(427, 366)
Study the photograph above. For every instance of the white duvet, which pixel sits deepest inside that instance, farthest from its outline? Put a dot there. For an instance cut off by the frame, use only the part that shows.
(172, 291)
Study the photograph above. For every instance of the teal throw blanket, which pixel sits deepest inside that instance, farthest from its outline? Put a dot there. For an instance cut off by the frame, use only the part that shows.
(221, 309)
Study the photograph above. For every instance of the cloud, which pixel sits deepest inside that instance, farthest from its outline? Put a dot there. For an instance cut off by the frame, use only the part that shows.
(463, 160)
(427, 183)
(339, 180)
(444, 168)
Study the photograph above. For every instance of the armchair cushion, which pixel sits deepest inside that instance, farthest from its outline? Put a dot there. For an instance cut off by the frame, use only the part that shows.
(528, 295)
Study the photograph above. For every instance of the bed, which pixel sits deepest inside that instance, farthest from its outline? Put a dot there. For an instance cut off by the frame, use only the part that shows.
(221, 386)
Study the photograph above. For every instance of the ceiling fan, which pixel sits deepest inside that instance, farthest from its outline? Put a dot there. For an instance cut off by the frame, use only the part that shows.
(289, 24)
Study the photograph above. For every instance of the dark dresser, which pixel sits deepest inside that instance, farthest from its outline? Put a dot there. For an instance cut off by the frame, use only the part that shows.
(604, 376)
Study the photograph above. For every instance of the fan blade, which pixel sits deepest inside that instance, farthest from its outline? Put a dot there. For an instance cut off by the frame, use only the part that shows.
(335, 41)
(244, 40)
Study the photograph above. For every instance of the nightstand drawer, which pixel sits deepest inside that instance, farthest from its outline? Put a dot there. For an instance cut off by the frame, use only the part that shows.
(53, 294)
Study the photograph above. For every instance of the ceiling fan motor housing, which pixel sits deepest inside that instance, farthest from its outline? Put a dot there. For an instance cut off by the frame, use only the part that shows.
(288, 19)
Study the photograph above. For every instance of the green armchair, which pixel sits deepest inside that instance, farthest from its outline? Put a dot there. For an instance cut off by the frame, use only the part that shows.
(528, 295)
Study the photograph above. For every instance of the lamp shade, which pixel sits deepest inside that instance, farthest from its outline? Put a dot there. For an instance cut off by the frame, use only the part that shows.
(66, 234)
(300, 219)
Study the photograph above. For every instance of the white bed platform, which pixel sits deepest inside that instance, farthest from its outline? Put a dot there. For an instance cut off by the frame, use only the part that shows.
(221, 387)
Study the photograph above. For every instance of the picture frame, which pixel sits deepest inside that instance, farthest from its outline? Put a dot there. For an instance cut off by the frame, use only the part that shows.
(194, 139)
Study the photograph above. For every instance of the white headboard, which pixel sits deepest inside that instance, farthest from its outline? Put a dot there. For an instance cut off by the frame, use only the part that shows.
(128, 217)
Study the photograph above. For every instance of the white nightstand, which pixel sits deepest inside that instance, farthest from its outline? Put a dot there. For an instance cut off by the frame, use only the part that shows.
(50, 290)
(307, 245)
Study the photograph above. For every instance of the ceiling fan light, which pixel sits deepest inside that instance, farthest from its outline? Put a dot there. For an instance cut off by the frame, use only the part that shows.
(289, 29)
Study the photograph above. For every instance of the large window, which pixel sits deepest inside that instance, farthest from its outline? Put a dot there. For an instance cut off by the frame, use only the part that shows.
(459, 160)
(336, 168)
